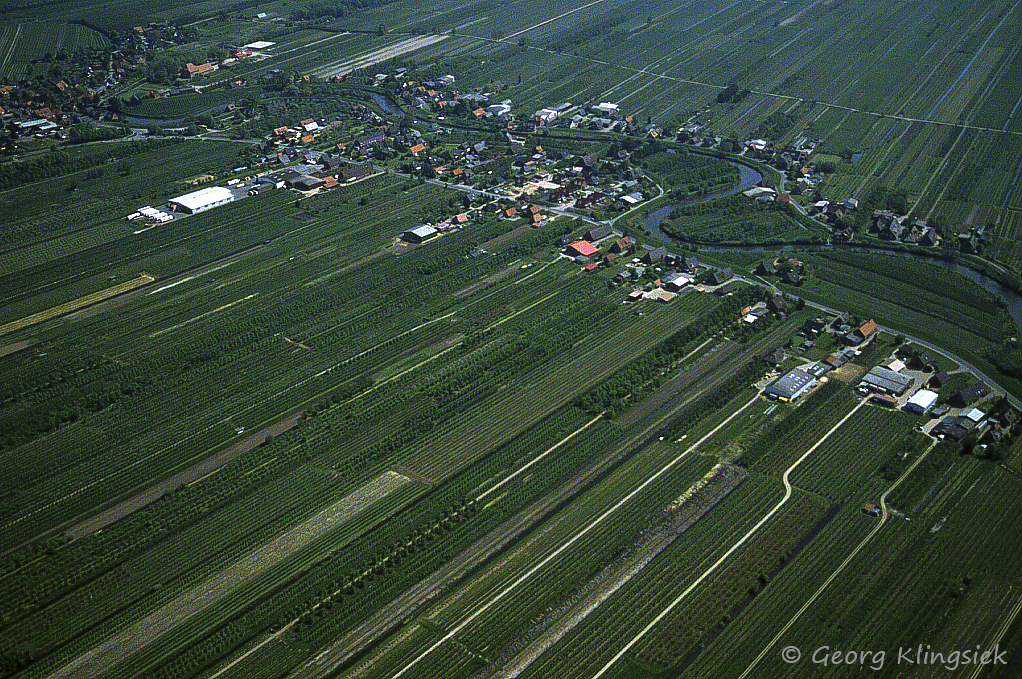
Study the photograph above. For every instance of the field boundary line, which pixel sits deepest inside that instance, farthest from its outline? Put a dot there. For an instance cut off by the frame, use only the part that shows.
(507, 590)
(542, 455)
(837, 571)
(698, 581)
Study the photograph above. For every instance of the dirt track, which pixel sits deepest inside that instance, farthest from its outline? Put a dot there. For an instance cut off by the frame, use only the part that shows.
(366, 60)
(193, 473)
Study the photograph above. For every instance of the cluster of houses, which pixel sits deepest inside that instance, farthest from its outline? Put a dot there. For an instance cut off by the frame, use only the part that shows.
(910, 368)
(658, 273)
(904, 229)
(789, 270)
(303, 133)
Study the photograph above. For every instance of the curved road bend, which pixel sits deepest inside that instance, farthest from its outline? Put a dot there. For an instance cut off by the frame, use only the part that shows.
(725, 555)
(883, 519)
(994, 387)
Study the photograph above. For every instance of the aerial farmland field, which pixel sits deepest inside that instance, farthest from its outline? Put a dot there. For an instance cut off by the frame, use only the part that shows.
(594, 338)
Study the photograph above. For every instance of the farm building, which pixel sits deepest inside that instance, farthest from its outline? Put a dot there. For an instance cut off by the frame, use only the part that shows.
(419, 234)
(721, 276)
(884, 380)
(893, 364)
(790, 385)
(661, 295)
(861, 334)
(582, 248)
(203, 199)
(922, 401)
(970, 394)
(775, 357)
(677, 281)
(596, 233)
(884, 400)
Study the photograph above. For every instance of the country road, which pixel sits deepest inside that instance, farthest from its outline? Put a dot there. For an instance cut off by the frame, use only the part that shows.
(840, 568)
(709, 571)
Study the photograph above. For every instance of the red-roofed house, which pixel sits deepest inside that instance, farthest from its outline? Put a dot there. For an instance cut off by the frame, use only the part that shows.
(622, 245)
(590, 267)
(417, 149)
(582, 247)
(201, 69)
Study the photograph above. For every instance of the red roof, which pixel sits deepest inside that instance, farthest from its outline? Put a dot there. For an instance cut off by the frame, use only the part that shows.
(868, 328)
(583, 247)
(418, 148)
(590, 267)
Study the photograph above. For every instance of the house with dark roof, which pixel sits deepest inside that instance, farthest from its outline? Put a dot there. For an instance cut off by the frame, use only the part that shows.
(777, 303)
(596, 233)
(923, 360)
(767, 267)
(656, 256)
(725, 289)
(939, 380)
(775, 357)
(721, 276)
(970, 394)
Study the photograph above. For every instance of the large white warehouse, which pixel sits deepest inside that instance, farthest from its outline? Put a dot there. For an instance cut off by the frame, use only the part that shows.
(203, 199)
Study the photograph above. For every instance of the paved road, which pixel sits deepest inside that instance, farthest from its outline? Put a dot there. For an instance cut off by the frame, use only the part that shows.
(994, 387)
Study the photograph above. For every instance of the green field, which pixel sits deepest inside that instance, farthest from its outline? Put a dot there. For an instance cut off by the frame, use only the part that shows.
(274, 439)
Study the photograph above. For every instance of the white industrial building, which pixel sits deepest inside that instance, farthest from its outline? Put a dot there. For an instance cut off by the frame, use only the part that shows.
(790, 386)
(203, 199)
(419, 234)
(922, 401)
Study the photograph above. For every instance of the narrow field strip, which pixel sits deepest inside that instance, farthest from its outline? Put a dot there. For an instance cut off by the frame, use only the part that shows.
(218, 587)
(718, 562)
(76, 304)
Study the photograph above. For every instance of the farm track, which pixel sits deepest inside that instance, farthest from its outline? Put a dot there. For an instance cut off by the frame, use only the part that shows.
(698, 382)
(218, 587)
(617, 574)
(734, 548)
(883, 519)
(193, 473)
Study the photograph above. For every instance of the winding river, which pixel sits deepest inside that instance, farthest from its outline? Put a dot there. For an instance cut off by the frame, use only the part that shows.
(751, 177)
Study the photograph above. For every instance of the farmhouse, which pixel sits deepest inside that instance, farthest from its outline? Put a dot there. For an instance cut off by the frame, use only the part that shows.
(775, 357)
(203, 199)
(721, 276)
(862, 333)
(201, 69)
(887, 381)
(790, 385)
(419, 234)
(582, 248)
(970, 394)
(656, 256)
